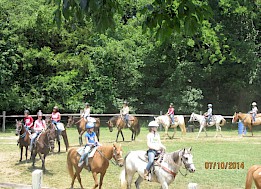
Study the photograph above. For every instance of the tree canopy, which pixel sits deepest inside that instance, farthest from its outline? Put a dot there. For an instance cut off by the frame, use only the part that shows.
(150, 53)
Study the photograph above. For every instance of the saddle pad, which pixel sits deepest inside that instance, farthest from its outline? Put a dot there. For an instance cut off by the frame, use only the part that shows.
(60, 126)
(91, 119)
(81, 151)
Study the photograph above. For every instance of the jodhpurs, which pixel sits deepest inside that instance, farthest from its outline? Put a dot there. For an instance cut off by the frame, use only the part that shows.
(151, 157)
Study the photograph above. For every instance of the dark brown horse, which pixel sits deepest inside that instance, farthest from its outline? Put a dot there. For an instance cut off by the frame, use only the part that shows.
(99, 163)
(42, 146)
(57, 137)
(117, 121)
(81, 126)
(24, 139)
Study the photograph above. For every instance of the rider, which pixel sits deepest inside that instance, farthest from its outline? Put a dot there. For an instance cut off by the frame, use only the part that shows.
(171, 112)
(28, 120)
(91, 141)
(254, 111)
(56, 118)
(39, 126)
(208, 114)
(125, 112)
(86, 112)
(155, 146)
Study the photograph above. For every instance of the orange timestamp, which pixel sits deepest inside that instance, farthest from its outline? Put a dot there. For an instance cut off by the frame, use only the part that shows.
(224, 165)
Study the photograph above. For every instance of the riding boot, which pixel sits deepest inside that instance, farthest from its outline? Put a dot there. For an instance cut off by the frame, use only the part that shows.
(146, 174)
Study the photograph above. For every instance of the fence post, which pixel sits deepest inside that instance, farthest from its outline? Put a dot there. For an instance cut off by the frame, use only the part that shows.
(192, 186)
(3, 125)
(37, 179)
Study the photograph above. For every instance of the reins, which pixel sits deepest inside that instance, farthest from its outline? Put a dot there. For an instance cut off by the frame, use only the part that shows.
(166, 169)
(111, 160)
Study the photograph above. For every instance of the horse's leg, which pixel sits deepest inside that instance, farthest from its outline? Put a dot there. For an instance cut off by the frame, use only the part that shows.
(59, 146)
(217, 129)
(79, 178)
(138, 181)
(200, 129)
(117, 136)
(73, 179)
(205, 131)
(80, 137)
(122, 135)
(65, 139)
(166, 132)
(96, 184)
(21, 155)
(101, 179)
(174, 132)
(251, 130)
(26, 152)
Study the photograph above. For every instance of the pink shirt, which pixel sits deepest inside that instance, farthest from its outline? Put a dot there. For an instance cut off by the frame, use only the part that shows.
(56, 116)
(39, 125)
(170, 111)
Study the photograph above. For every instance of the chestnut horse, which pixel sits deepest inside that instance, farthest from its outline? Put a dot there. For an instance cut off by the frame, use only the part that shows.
(80, 124)
(24, 139)
(57, 137)
(254, 173)
(118, 122)
(99, 163)
(42, 146)
(246, 120)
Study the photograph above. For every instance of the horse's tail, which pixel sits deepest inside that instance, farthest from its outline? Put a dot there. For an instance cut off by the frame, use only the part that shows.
(249, 178)
(123, 174)
(69, 163)
(222, 122)
(138, 129)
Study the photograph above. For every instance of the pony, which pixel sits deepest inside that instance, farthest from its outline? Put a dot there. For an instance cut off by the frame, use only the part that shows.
(42, 146)
(246, 120)
(217, 120)
(165, 121)
(253, 173)
(57, 137)
(99, 163)
(164, 172)
(24, 137)
(117, 121)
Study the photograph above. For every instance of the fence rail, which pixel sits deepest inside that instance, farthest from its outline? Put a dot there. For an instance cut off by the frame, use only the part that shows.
(4, 116)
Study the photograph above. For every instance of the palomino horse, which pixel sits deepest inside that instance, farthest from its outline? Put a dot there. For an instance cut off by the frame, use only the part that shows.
(165, 121)
(217, 120)
(99, 163)
(24, 139)
(57, 137)
(118, 122)
(247, 120)
(42, 146)
(254, 172)
(164, 172)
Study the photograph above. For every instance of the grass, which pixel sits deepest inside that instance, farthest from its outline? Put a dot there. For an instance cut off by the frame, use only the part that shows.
(229, 148)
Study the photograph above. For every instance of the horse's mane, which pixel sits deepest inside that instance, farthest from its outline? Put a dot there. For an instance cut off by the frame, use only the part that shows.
(172, 157)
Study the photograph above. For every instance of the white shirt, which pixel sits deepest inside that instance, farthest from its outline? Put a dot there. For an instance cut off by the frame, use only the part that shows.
(87, 112)
(254, 110)
(125, 110)
(153, 141)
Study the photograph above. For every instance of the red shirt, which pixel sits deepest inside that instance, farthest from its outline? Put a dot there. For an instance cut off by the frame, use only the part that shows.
(29, 121)
(56, 116)
(170, 111)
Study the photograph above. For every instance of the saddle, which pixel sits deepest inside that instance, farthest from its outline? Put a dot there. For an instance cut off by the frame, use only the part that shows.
(92, 151)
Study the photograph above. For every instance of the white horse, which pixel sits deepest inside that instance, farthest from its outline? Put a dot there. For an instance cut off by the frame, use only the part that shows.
(165, 121)
(217, 120)
(164, 172)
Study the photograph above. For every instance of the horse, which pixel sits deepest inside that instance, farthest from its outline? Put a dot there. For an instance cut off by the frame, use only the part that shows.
(99, 163)
(24, 137)
(81, 127)
(247, 120)
(42, 146)
(253, 173)
(118, 122)
(57, 137)
(164, 172)
(165, 121)
(217, 120)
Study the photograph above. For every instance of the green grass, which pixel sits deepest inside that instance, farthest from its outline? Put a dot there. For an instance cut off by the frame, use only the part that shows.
(230, 148)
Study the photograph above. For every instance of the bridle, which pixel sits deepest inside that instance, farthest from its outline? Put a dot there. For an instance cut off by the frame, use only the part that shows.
(187, 165)
(19, 129)
(114, 155)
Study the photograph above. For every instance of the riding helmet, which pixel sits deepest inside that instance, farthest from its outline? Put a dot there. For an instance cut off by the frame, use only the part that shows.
(39, 113)
(153, 124)
(254, 103)
(56, 108)
(87, 104)
(89, 125)
(125, 102)
(26, 112)
(171, 104)
(209, 105)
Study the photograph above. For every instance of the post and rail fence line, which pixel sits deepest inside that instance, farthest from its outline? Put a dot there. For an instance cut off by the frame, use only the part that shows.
(4, 116)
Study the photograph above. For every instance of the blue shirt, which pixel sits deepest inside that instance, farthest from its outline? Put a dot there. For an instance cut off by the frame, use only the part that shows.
(91, 137)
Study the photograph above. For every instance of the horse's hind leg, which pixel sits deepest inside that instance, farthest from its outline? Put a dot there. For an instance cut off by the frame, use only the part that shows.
(79, 179)
(73, 179)
(26, 152)
(138, 181)
(122, 135)
(21, 155)
(65, 139)
(96, 184)
(80, 137)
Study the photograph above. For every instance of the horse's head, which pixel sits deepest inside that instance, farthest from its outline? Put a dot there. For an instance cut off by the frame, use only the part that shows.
(18, 126)
(192, 117)
(70, 121)
(187, 159)
(51, 134)
(110, 125)
(235, 117)
(118, 155)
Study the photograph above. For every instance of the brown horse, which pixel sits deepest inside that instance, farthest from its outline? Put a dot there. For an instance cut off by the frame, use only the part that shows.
(118, 122)
(254, 173)
(81, 126)
(57, 137)
(24, 139)
(42, 146)
(247, 120)
(98, 163)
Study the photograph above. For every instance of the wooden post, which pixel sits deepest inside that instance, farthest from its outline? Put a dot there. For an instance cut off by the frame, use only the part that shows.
(3, 125)
(37, 179)
(192, 186)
